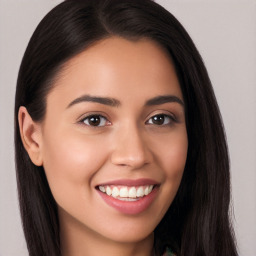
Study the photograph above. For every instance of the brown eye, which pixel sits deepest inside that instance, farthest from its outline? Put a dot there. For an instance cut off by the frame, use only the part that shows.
(161, 119)
(158, 120)
(95, 120)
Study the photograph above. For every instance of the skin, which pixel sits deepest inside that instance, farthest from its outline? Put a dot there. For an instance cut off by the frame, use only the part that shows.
(77, 156)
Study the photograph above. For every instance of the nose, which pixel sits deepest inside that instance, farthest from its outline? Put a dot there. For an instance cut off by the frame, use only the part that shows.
(131, 148)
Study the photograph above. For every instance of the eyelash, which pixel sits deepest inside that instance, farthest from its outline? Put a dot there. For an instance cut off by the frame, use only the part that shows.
(165, 116)
(101, 118)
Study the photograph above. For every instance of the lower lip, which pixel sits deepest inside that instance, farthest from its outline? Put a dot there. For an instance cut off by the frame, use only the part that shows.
(130, 207)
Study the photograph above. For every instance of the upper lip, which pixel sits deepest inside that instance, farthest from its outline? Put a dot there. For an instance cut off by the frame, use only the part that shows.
(130, 182)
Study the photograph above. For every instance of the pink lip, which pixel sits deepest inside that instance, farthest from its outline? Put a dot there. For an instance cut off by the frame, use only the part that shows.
(129, 182)
(131, 207)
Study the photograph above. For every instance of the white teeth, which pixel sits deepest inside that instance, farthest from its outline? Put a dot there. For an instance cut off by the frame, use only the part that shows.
(102, 189)
(126, 193)
(108, 191)
(128, 199)
(115, 192)
(146, 191)
(132, 192)
(140, 192)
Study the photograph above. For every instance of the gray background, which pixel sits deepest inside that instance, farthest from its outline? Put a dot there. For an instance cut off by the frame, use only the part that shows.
(225, 34)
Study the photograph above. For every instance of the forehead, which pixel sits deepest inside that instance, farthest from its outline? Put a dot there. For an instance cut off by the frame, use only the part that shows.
(120, 68)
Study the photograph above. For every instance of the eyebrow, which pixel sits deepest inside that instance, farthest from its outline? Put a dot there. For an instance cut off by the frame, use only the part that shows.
(162, 99)
(102, 100)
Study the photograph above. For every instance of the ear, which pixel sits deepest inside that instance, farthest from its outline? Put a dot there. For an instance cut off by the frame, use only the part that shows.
(31, 136)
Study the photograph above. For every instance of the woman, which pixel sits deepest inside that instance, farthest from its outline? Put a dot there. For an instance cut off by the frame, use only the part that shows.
(120, 147)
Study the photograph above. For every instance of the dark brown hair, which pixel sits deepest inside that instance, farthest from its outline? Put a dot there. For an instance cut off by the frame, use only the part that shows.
(197, 223)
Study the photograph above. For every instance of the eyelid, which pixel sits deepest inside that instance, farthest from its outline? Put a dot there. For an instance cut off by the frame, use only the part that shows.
(162, 112)
(172, 119)
(88, 115)
(91, 113)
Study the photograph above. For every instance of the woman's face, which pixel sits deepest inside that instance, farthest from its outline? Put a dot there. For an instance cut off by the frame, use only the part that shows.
(114, 140)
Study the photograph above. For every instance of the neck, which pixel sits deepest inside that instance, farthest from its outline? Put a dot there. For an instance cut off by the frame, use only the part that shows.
(78, 240)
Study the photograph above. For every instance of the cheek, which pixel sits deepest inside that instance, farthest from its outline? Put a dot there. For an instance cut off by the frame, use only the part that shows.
(172, 154)
(174, 160)
(70, 162)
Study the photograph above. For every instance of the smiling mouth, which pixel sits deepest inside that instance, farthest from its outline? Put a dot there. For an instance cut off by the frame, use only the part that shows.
(126, 193)
(129, 196)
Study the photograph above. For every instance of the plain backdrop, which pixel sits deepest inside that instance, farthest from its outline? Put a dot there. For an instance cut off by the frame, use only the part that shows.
(225, 34)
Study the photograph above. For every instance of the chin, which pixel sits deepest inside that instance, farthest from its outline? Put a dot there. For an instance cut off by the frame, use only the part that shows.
(129, 232)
